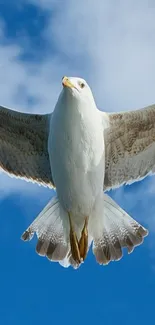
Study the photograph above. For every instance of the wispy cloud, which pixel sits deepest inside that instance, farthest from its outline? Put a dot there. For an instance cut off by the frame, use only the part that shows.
(114, 45)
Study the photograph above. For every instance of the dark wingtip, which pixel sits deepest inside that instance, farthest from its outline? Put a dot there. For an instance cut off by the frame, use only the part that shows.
(27, 235)
(41, 247)
(143, 231)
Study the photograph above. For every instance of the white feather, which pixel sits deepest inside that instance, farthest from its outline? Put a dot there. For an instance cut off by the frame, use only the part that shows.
(76, 150)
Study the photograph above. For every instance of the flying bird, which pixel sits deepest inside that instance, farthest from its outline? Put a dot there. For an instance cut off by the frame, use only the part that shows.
(82, 152)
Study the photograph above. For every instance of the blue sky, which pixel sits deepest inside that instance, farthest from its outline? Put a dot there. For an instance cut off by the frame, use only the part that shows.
(113, 48)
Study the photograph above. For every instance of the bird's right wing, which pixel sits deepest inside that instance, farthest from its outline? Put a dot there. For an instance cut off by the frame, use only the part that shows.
(24, 146)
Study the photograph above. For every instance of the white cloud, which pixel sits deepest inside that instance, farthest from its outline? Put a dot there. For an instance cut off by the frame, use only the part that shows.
(115, 44)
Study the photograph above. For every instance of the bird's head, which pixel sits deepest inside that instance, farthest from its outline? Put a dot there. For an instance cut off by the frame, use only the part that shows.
(77, 88)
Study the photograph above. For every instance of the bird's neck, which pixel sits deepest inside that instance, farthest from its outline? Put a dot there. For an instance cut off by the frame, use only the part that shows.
(69, 104)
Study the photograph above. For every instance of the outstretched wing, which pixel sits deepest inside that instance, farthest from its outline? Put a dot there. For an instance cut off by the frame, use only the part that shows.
(129, 147)
(23, 145)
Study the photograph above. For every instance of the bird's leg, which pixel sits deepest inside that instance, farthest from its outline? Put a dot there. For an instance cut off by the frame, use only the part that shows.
(74, 243)
(83, 242)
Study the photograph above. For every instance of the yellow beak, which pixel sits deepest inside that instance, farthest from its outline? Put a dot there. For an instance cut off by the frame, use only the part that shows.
(66, 83)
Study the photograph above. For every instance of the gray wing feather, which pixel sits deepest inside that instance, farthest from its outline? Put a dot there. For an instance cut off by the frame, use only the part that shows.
(23, 146)
(129, 147)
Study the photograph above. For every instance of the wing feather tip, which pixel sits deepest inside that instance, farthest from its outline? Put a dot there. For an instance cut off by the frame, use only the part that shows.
(27, 235)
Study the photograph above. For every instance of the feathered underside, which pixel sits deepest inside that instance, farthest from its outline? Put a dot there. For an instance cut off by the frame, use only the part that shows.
(23, 146)
(129, 147)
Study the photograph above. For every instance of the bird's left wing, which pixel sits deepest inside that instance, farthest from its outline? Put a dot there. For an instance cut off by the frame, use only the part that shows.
(23, 145)
(129, 147)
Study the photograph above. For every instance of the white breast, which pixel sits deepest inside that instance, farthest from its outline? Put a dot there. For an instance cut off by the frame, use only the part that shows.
(76, 150)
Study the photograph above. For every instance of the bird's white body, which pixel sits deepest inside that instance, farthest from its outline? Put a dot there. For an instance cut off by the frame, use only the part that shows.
(76, 150)
(71, 150)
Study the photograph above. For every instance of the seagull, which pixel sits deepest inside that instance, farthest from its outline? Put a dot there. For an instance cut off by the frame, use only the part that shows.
(81, 152)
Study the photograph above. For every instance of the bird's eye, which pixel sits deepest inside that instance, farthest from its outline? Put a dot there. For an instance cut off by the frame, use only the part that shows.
(82, 85)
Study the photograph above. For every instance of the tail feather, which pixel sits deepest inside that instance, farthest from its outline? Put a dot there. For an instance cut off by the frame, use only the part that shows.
(51, 228)
(119, 231)
(111, 229)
